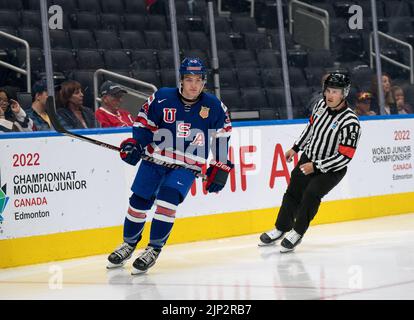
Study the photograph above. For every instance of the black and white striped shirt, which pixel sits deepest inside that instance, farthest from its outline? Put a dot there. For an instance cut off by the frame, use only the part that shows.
(330, 137)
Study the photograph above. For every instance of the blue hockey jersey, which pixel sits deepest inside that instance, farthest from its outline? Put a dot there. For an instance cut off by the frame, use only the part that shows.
(177, 133)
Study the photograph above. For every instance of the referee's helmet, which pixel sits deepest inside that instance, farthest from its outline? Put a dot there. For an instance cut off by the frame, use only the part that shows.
(338, 81)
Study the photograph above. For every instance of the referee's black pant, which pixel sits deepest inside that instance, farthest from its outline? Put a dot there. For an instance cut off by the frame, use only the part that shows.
(303, 196)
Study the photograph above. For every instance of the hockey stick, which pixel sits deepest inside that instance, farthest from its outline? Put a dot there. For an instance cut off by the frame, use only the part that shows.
(51, 112)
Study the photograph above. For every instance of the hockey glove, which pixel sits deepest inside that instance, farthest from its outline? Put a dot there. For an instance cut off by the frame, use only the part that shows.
(217, 175)
(130, 151)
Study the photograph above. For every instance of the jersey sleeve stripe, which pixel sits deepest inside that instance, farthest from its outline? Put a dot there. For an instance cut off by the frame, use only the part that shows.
(144, 123)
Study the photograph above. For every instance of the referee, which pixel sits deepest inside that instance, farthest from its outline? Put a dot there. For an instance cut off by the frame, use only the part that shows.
(328, 143)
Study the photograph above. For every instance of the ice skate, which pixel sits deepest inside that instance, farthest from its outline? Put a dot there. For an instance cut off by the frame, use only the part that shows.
(270, 237)
(145, 261)
(120, 256)
(291, 240)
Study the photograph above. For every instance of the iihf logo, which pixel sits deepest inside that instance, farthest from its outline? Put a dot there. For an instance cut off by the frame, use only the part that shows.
(3, 199)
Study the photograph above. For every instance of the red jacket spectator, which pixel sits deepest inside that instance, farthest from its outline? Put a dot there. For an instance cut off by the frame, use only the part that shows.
(110, 114)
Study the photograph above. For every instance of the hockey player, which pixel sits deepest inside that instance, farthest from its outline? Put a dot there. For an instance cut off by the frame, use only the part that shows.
(177, 126)
(328, 142)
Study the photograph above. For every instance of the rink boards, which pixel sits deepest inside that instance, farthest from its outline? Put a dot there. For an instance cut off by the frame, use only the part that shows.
(63, 198)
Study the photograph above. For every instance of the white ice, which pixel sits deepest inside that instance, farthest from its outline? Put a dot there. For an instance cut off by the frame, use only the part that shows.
(365, 259)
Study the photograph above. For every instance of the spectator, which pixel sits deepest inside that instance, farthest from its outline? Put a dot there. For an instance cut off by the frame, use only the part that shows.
(38, 110)
(12, 116)
(398, 94)
(109, 113)
(74, 114)
(363, 104)
(390, 107)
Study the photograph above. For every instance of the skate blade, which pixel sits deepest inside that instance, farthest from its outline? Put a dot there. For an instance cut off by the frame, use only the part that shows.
(111, 265)
(285, 250)
(262, 244)
(136, 272)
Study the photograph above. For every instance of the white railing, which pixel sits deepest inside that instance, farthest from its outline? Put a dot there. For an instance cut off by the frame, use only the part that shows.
(324, 18)
(388, 59)
(26, 71)
(121, 77)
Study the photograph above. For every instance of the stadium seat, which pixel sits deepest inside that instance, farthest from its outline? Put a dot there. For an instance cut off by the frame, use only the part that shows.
(350, 46)
(107, 39)
(314, 76)
(89, 6)
(190, 23)
(276, 97)
(296, 77)
(156, 39)
(116, 59)
(156, 22)
(400, 24)
(297, 58)
(225, 60)
(320, 58)
(199, 8)
(31, 35)
(300, 100)
(132, 40)
(144, 59)
(90, 59)
(222, 24)
(111, 21)
(198, 40)
(269, 58)
(150, 76)
(272, 77)
(275, 42)
(244, 59)
(63, 60)
(59, 39)
(237, 40)
(165, 59)
(85, 20)
(6, 44)
(31, 18)
(223, 41)
(30, 4)
(232, 98)
(254, 98)
(82, 39)
(14, 5)
(36, 59)
(182, 8)
(243, 24)
(110, 6)
(227, 78)
(248, 77)
(9, 18)
(182, 40)
(397, 8)
(135, 6)
(168, 78)
(256, 40)
(135, 22)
